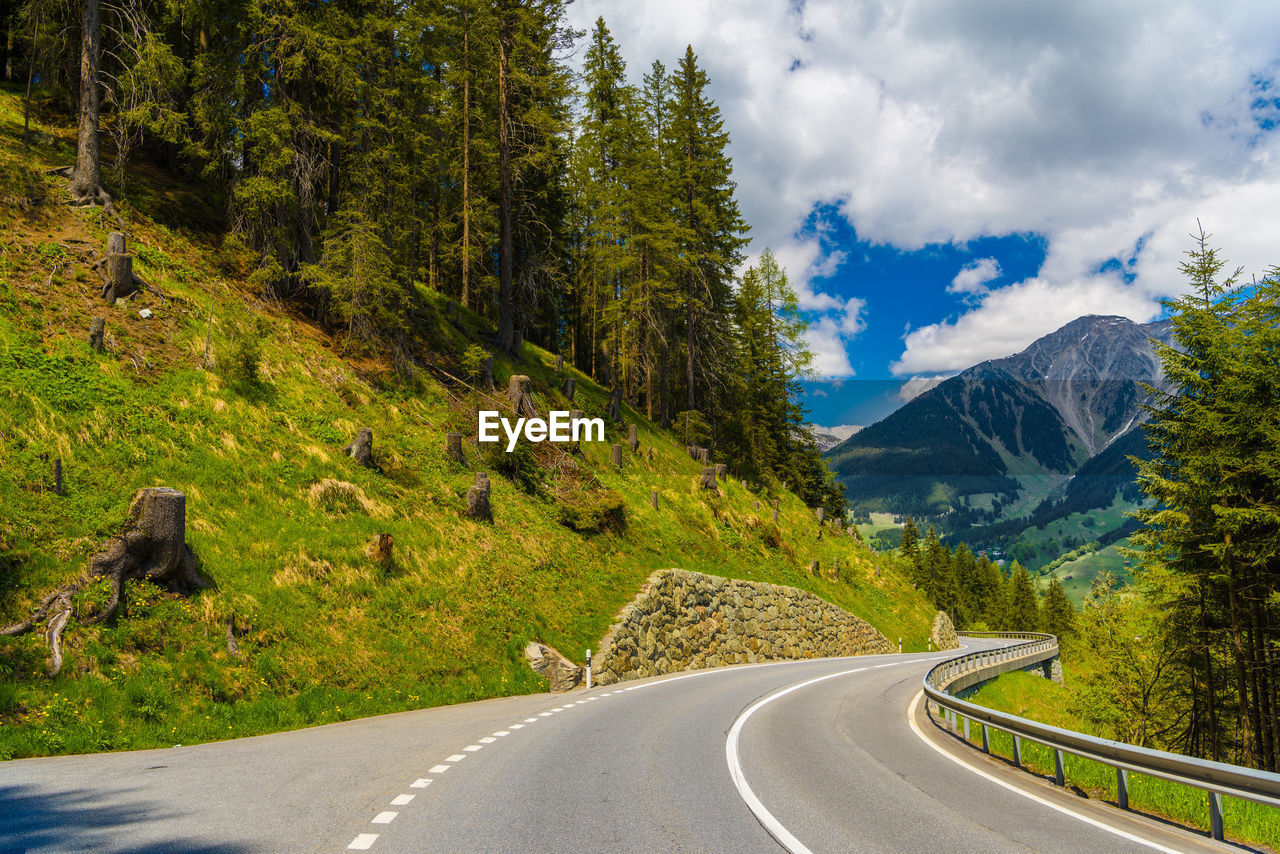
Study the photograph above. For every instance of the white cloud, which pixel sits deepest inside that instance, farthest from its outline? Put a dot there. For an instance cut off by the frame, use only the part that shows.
(1092, 123)
(973, 277)
(917, 386)
(828, 336)
(1009, 318)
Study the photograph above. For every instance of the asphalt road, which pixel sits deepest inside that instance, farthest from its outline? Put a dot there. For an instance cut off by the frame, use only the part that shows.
(814, 755)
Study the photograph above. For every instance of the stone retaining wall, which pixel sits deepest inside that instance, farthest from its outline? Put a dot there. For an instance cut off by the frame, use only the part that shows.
(684, 620)
(944, 633)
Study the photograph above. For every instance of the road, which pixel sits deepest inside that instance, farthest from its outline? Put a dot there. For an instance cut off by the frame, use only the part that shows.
(818, 755)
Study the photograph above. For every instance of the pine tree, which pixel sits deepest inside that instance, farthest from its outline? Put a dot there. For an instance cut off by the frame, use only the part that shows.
(1057, 616)
(1024, 613)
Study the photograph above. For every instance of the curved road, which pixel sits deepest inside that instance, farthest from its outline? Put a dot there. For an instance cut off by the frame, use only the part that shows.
(823, 755)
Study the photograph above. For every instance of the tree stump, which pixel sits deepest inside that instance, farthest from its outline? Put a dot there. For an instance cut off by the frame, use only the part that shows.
(453, 447)
(116, 244)
(820, 513)
(615, 406)
(152, 545)
(756, 505)
(633, 437)
(570, 387)
(775, 511)
(361, 448)
(486, 374)
(478, 500)
(653, 499)
(615, 455)
(813, 568)
(708, 478)
(97, 330)
(57, 476)
(559, 363)
(704, 456)
(722, 470)
(521, 397)
(119, 277)
(382, 552)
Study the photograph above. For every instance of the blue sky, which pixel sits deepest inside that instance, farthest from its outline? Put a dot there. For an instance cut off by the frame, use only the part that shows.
(947, 180)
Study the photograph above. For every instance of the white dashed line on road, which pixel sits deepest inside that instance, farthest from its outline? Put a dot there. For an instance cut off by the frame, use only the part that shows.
(362, 842)
(502, 733)
(488, 739)
(457, 757)
(439, 769)
(420, 783)
(401, 800)
(384, 817)
(472, 748)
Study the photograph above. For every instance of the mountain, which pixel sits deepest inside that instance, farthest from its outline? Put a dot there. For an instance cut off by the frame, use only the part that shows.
(1012, 434)
(828, 437)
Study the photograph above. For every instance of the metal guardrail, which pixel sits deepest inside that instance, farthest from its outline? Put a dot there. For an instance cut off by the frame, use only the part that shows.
(956, 674)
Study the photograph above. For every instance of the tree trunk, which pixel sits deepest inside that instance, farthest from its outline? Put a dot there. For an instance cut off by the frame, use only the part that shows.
(453, 447)
(518, 392)
(615, 455)
(486, 374)
(708, 478)
(120, 282)
(506, 238)
(86, 181)
(653, 499)
(615, 405)
(632, 438)
(570, 387)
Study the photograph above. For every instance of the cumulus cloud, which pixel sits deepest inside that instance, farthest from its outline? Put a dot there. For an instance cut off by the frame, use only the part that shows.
(828, 335)
(973, 277)
(1105, 128)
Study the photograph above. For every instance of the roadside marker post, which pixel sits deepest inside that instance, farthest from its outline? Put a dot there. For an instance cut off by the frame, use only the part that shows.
(588, 669)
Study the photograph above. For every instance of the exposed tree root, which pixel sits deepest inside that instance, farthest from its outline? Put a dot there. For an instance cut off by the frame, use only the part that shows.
(150, 546)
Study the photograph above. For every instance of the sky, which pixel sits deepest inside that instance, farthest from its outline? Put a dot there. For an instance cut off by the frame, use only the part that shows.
(947, 181)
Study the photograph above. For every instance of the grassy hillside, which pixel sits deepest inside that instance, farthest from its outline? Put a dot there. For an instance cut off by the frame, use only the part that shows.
(1077, 575)
(281, 521)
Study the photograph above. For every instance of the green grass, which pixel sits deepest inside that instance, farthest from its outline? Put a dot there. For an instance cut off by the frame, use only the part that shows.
(324, 633)
(1077, 575)
(1040, 699)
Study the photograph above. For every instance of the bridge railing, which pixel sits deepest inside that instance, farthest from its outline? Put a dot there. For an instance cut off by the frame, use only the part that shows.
(956, 674)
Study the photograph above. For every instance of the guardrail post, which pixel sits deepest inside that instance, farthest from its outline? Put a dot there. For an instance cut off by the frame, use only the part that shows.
(1059, 776)
(986, 740)
(966, 729)
(1215, 815)
(1122, 788)
(1017, 751)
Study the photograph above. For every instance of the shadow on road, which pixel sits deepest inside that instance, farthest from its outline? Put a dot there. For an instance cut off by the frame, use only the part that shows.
(35, 818)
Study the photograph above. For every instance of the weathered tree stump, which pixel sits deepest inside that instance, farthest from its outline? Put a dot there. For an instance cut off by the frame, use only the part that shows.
(633, 437)
(615, 455)
(559, 363)
(119, 277)
(478, 499)
(835, 523)
(521, 397)
(116, 243)
(97, 330)
(708, 478)
(615, 406)
(486, 374)
(722, 470)
(653, 499)
(814, 568)
(453, 447)
(704, 456)
(775, 511)
(361, 448)
(570, 387)
(57, 476)
(382, 552)
(151, 545)
(820, 513)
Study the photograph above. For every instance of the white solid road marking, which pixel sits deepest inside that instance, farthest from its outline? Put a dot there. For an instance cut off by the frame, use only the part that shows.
(766, 819)
(457, 757)
(488, 739)
(438, 769)
(890, 664)
(472, 748)
(401, 800)
(384, 817)
(502, 733)
(422, 782)
(911, 719)
(362, 842)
